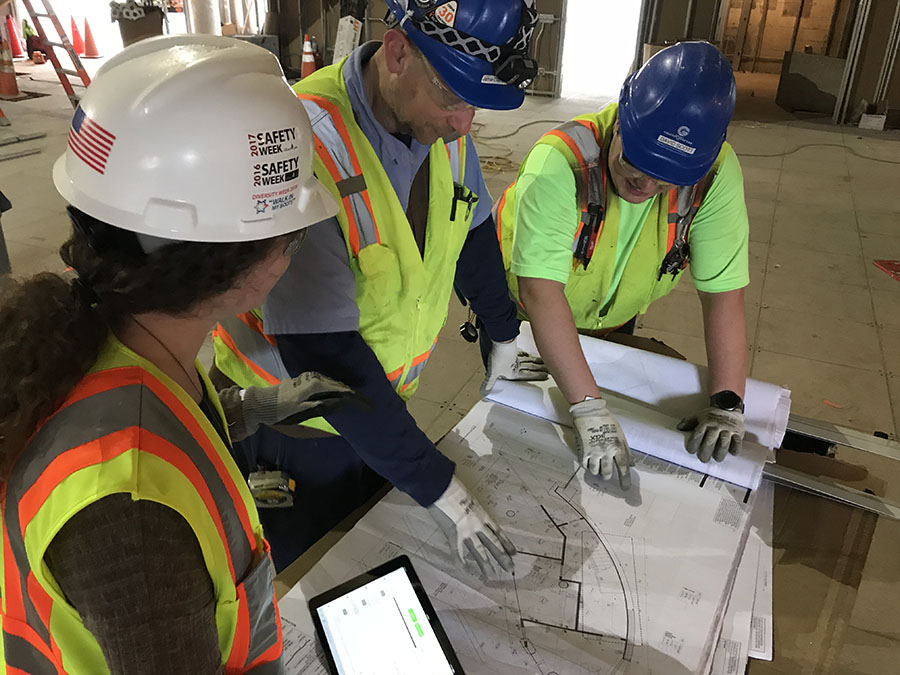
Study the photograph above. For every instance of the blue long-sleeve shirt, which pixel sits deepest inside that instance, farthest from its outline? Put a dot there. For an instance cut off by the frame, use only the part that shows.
(387, 437)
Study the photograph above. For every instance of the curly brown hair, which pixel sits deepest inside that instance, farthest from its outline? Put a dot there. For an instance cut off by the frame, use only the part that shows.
(52, 329)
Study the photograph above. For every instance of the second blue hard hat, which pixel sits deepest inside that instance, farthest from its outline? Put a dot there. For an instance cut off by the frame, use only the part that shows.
(675, 110)
(478, 47)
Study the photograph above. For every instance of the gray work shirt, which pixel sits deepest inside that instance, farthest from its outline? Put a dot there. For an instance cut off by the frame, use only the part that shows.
(317, 294)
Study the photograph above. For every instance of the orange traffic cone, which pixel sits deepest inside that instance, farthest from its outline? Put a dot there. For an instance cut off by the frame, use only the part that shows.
(9, 89)
(15, 40)
(3, 121)
(90, 47)
(308, 63)
(77, 42)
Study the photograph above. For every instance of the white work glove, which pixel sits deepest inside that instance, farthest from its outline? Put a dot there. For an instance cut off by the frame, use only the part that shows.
(507, 362)
(600, 441)
(308, 395)
(470, 531)
(716, 433)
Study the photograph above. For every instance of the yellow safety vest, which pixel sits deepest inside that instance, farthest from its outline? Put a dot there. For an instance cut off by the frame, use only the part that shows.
(659, 255)
(402, 297)
(127, 428)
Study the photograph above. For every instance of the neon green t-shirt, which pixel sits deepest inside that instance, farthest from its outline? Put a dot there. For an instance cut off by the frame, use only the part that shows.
(547, 218)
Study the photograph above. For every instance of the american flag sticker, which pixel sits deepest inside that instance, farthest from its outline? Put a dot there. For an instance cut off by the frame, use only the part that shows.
(90, 142)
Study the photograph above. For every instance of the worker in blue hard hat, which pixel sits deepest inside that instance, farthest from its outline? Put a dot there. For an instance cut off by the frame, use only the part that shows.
(371, 290)
(605, 214)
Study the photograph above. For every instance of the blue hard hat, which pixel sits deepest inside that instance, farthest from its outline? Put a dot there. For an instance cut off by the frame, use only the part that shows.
(675, 110)
(478, 47)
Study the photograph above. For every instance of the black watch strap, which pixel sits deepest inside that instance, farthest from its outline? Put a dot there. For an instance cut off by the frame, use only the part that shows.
(727, 400)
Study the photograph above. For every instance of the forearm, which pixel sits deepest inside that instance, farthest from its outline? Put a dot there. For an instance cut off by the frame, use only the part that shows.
(557, 337)
(481, 279)
(385, 437)
(724, 328)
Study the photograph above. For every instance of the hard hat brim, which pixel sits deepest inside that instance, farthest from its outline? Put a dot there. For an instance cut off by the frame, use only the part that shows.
(470, 78)
(314, 203)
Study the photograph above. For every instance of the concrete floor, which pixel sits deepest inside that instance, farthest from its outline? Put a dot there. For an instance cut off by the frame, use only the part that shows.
(821, 319)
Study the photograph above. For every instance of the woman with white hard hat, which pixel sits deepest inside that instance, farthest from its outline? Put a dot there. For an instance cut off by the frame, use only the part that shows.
(131, 543)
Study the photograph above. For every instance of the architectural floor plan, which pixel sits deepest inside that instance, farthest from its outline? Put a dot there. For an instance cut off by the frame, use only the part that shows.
(605, 582)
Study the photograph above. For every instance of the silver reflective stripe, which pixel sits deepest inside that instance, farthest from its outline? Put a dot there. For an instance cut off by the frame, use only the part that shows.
(22, 654)
(456, 167)
(591, 153)
(95, 417)
(255, 347)
(416, 370)
(327, 133)
(261, 610)
(686, 210)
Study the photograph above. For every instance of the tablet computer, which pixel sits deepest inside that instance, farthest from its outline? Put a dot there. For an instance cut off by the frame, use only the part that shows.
(382, 622)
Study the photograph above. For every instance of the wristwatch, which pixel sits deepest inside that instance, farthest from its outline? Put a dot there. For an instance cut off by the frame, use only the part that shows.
(727, 400)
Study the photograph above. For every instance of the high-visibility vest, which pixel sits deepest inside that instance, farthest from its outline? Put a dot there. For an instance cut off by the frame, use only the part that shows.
(127, 428)
(659, 255)
(402, 298)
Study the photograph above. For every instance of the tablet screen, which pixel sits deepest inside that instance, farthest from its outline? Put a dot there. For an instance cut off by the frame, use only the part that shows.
(381, 627)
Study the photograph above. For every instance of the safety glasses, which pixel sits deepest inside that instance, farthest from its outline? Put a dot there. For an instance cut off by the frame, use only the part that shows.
(631, 172)
(296, 242)
(439, 92)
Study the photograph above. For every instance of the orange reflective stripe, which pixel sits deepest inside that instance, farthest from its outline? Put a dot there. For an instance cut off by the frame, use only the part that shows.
(107, 448)
(193, 426)
(339, 125)
(395, 375)
(254, 322)
(26, 633)
(500, 206)
(423, 356)
(352, 226)
(673, 211)
(573, 146)
(240, 646)
(43, 603)
(220, 333)
(95, 383)
(273, 652)
(332, 110)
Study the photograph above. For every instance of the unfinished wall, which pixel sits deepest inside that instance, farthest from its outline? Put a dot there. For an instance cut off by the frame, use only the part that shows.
(871, 56)
(775, 21)
(670, 21)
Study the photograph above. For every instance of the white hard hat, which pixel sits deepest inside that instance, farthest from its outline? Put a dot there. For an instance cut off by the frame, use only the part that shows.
(194, 138)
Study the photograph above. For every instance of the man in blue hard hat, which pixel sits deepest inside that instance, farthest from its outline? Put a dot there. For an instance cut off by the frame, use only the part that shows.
(370, 291)
(606, 213)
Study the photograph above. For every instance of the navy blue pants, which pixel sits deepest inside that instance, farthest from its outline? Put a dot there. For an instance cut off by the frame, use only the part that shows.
(331, 481)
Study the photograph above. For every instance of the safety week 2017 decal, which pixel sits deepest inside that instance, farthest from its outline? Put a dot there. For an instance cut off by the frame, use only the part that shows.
(275, 168)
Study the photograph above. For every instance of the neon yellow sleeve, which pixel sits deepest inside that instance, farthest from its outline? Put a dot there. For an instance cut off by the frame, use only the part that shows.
(546, 216)
(720, 233)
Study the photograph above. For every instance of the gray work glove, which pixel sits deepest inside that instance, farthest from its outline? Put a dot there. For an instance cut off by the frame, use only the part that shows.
(308, 395)
(601, 442)
(716, 433)
(508, 362)
(470, 531)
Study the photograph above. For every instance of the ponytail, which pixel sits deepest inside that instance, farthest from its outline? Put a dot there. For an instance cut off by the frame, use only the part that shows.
(50, 336)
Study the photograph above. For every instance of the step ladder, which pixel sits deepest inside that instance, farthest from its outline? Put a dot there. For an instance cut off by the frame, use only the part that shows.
(62, 73)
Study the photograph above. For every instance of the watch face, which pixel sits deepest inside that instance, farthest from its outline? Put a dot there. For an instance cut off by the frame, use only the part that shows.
(727, 400)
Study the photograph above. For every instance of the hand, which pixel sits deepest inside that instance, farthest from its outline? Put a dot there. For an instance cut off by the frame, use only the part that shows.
(716, 433)
(308, 395)
(470, 530)
(507, 362)
(601, 442)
